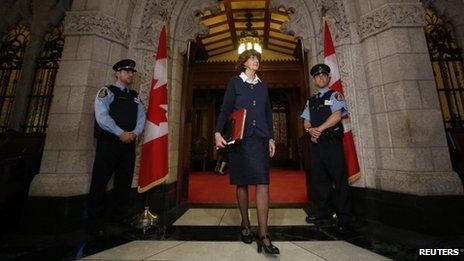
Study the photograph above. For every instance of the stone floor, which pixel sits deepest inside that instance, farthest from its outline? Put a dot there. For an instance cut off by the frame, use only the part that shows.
(212, 233)
(208, 250)
(217, 222)
(231, 217)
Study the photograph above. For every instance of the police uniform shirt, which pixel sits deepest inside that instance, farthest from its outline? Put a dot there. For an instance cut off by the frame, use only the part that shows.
(102, 106)
(336, 102)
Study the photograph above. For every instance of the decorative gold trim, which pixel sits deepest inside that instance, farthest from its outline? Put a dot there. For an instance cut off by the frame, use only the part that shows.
(151, 185)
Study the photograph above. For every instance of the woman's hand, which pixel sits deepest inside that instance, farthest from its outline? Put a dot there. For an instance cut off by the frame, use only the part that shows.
(219, 140)
(271, 148)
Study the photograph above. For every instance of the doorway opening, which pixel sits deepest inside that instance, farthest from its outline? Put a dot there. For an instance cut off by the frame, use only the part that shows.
(208, 66)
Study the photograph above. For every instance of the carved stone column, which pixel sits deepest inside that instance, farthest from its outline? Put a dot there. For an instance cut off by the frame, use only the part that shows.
(96, 36)
(410, 145)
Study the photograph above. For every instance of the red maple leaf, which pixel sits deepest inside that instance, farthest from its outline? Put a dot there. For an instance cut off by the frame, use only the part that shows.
(158, 97)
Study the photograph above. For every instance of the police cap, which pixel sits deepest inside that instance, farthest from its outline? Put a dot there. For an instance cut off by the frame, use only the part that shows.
(126, 64)
(320, 68)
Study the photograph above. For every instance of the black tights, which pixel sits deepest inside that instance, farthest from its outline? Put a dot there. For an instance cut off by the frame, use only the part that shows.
(262, 206)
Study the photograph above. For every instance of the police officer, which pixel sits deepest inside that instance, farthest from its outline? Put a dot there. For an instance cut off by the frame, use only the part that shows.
(322, 120)
(120, 118)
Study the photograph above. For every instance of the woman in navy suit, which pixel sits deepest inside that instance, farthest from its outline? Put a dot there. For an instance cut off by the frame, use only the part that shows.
(249, 159)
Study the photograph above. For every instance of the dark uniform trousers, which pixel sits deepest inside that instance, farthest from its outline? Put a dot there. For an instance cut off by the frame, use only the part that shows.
(328, 163)
(328, 169)
(112, 156)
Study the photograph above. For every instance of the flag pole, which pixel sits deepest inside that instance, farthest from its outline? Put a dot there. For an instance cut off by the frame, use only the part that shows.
(146, 219)
(166, 15)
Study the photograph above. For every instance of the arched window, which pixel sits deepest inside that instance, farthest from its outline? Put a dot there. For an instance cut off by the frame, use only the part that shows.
(41, 94)
(12, 50)
(447, 67)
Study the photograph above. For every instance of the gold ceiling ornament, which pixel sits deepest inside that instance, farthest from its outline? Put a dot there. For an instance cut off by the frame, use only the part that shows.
(249, 38)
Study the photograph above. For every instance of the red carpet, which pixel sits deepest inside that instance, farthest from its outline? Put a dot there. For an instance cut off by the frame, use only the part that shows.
(287, 186)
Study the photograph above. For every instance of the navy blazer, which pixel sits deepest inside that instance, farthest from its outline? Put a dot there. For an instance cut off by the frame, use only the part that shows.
(255, 99)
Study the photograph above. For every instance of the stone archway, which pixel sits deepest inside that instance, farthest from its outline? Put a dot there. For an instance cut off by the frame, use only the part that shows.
(352, 30)
(184, 27)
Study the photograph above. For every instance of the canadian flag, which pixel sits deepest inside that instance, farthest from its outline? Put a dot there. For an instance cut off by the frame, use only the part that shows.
(154, 160)
(335, 84)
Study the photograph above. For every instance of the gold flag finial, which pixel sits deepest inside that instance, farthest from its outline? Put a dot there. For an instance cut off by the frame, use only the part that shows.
(323, 11)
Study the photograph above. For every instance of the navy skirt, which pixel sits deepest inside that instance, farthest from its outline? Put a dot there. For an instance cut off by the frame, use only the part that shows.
(249, 161)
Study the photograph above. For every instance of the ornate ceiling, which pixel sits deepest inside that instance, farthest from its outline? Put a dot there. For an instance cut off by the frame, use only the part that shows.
(226, 26)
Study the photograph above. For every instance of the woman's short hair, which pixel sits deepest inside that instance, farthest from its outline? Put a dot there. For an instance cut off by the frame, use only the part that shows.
(244, 57)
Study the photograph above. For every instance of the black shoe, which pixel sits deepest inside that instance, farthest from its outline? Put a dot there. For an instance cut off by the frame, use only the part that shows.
(268, 249)
(245, 235)
(310, 219)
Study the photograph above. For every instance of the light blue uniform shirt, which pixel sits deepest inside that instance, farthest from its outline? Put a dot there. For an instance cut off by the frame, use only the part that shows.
(335, 104)
(104, 120)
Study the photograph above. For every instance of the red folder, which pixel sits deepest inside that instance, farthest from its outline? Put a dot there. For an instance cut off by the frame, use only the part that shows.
(236, 125)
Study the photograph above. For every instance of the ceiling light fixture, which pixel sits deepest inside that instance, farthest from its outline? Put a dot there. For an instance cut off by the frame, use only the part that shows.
(249, 38)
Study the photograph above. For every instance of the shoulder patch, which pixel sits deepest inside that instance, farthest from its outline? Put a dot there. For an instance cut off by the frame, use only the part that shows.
(339, 96)
(103, 92)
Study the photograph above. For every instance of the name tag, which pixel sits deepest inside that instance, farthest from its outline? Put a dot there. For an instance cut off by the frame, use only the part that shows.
(328, 102)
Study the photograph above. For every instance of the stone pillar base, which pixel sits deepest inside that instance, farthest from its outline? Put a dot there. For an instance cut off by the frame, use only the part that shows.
(431, 215)
(60, 185)
(420, 183)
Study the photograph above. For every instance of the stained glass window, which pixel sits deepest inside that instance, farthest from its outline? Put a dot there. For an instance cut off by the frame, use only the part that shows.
(447, 67)
(41, 94)
(12, 50)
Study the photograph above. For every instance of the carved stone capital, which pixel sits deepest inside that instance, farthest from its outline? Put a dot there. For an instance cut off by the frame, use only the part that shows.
(391, 15)
(190, 24)
(297, 23)
(300, 20)
(155, 13)
(335, 14)
(96, 23)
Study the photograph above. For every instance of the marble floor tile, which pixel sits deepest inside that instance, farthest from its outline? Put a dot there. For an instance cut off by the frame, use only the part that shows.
(231, 217)
(287, 217)
(232, 251)
(338, 250)
(135, 250)
(201, 217)
(220, 250)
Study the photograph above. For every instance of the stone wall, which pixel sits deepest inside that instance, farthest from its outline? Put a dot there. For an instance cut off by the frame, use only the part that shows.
(410, 145)
(96, 36)
(384, 67)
